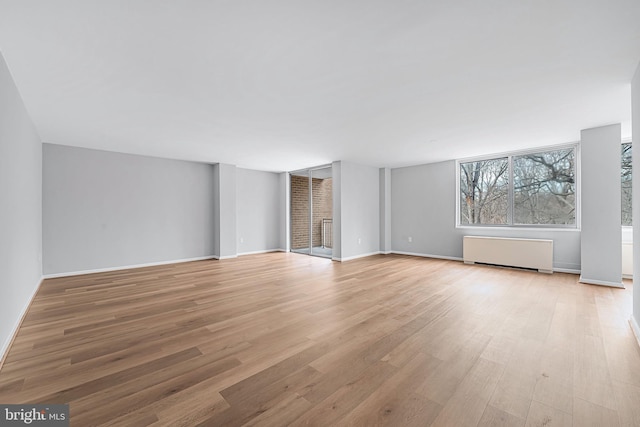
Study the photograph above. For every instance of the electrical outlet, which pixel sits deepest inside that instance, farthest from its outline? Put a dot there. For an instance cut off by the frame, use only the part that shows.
(410, 239)
(359, 241)
(242, 240)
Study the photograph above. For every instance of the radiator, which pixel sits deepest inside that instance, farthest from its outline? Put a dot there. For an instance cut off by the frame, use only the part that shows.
(526, 253)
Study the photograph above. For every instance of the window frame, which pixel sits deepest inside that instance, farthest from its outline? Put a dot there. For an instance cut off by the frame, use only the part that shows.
(575, 146)
(626, 141)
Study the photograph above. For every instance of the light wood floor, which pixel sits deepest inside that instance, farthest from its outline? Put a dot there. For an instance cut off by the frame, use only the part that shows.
(285, 339)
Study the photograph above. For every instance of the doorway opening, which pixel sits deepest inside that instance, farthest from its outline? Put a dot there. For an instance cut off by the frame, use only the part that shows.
(312, 211)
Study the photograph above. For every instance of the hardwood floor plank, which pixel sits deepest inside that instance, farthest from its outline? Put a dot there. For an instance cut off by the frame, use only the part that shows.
(196, 409)
(588, 414)
(591, 376)
(133, 373)
(148, 395)
(284, 339)
(494, 417)
(469, 402)
(443, 383)
(283, 413)
(514, 392)
(330, 410)
(627, 398)
(541, 415)
(395, 402)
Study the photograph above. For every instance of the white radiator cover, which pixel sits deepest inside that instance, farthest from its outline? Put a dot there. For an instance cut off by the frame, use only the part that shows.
(526, 253)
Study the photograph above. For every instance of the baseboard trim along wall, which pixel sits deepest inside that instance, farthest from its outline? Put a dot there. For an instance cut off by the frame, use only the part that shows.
(356, 256)
(127, 267)
(153, 264)
(601, 283)
(9, 341)
(220, 257)
(264, 251)
(450, 258)
(635, 328)
(566, 270)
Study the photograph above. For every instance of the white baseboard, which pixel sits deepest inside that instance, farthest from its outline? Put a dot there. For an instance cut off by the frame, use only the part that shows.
(127, 267)
(265, 251)
(635, 328)
(223, 257)
(153, 264)
(601, 283)
(566, 270)
(453, 258)
(6, 345)
(349, 258)
(450, 258)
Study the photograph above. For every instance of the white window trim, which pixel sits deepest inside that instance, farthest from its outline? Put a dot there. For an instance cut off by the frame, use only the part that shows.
(509, 155)
(628, 141)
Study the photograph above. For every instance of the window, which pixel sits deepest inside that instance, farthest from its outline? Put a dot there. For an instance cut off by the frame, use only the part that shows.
(625, 177)
(484, 190)
(544, 188)
(525, 189)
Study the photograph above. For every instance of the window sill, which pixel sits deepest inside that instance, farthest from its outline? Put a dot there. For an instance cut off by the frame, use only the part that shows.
(516, 228)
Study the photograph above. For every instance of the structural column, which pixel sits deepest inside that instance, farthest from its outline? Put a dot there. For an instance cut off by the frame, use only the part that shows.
(225, 245)
(336, 174)
(601, 236)
(385, 210)
(285, 215)
(635, 113)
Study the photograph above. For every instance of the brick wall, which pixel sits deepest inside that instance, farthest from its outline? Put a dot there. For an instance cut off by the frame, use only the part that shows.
(322, 208)
(299, 212)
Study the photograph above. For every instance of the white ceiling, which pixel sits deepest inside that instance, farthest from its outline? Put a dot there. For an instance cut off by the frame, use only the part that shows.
(282, 85)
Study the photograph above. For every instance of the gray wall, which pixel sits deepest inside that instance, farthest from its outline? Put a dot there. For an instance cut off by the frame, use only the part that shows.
(423, 207)
(601, 237)
(635, 112)
(258, 211)
(21, 211)
(359, 210)
(104, 210)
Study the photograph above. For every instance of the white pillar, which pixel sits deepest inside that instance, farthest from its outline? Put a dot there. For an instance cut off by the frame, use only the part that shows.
(336, 174)
(385, 210)
(601, 238)
(285, 215)
(635, 113)
(225, 245)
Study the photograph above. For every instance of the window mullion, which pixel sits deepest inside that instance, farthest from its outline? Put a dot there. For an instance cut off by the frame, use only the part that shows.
(510, 192)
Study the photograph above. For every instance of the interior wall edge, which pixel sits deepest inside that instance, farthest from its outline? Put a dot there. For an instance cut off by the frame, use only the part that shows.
(262, 251)
(450, 258)
(126, 267)
(635, 125)
(4, 350)
(635, 328)
(597, 282)
(349, 258)
(566, 270)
